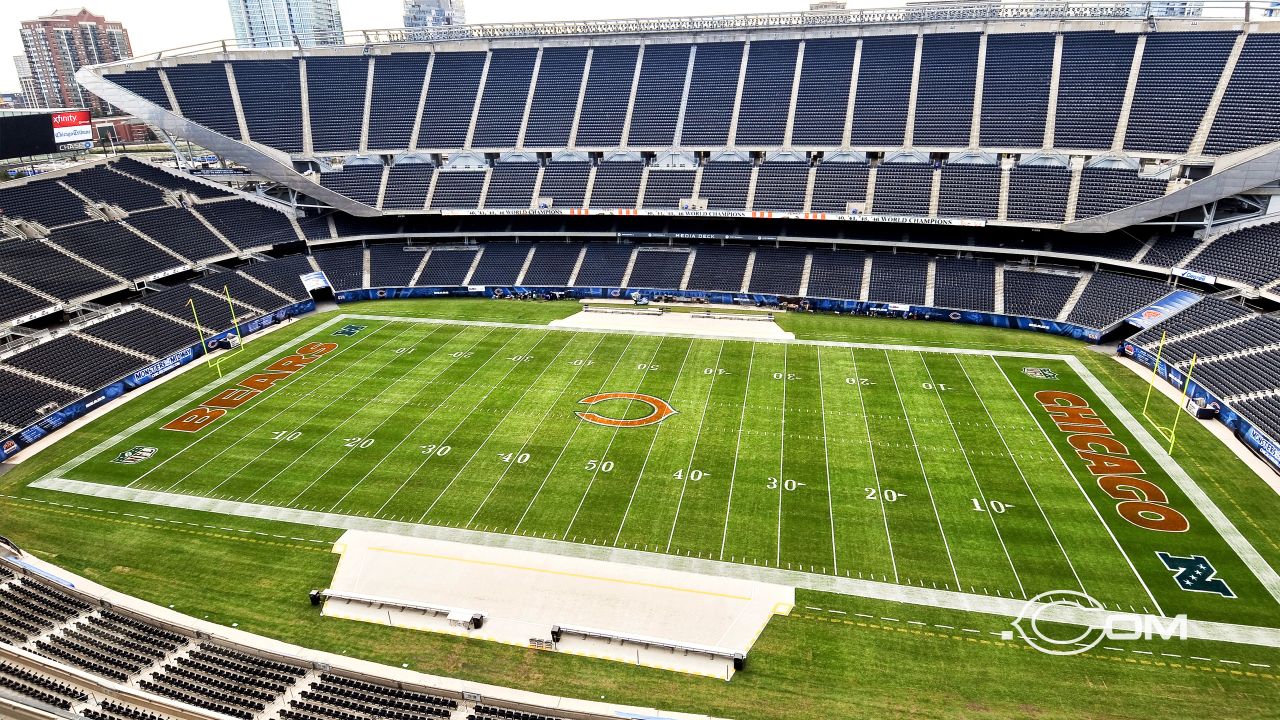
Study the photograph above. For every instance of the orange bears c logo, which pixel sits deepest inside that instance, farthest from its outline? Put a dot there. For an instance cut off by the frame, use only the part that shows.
(661, 410)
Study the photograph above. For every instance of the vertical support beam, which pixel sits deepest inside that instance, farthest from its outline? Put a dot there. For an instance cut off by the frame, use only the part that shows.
(577, 266)
(235, 102)
(528, 101)
(382, 187)
(684, 95)
(1005, 166)
(1211, 111)
(366, 268)
(368, 102)
(1122, 123)
(582, 94)
(1073, 191)
(537, 186)
(168, 91)
(930, 282)
(751, 188)
(865, 291)
(644, 184)
(746, 276)
(935, 193)
(808, 188)
(975, 125)
(803, 290)
(909, 130)
(422, 101)
(697, 181)
(484, 187)
(306, 106)
(475, 110)
(631, 101)
(591, 185)
(1051, 117)
(431, 190)
(737, 98)
(688, 268)
(795, 93)
(871, 188)
(853, 94)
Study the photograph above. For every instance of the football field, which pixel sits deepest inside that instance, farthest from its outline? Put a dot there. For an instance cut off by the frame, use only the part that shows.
(956, 470)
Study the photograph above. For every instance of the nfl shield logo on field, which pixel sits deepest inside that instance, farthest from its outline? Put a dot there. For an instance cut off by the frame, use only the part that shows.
(1040, 373)
(135, 455)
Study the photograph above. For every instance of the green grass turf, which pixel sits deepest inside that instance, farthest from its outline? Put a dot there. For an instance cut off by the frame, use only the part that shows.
(805, 665)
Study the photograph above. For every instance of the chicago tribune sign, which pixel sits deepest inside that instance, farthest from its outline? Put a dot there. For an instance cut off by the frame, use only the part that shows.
(72, 126)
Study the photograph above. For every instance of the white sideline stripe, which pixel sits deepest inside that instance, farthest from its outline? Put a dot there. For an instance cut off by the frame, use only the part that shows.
(1224, 527)
(700, 336)
(1123, 553)
(944, 599)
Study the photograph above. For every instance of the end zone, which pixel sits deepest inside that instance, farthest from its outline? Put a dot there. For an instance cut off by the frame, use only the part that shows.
(669, 619)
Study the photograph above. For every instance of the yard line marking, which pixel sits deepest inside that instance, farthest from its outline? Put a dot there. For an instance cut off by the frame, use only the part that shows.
(965, 453)
(614, 436)
(332, 429)
(826, 465)
(692, 454)
(875, 468)
(384, 421)
(577, 426)
(434, 408)
(1008, 450)
(733, 474)
(302, 396)
(534, 433)
(1075, 479)
(649, 452)
(222, 381)
(782, 454)
(505, 415)
(924, 473)
(442, 403)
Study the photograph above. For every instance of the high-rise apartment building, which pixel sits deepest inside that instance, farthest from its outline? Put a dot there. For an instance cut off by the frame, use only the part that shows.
(434, 13)
(27, 83)
(57, 45)
(286, 23)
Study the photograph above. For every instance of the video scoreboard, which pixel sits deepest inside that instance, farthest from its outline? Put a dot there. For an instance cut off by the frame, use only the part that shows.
(25, 135)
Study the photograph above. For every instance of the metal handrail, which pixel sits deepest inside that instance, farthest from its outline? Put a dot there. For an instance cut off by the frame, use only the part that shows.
(945, 12)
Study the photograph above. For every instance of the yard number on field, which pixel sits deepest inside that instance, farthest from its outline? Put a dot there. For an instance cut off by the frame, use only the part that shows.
(886, 495)
(996, 506)
(789, 485)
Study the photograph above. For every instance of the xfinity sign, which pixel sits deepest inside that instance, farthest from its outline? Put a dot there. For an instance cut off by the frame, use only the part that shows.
(72, 126)
(1054, 637)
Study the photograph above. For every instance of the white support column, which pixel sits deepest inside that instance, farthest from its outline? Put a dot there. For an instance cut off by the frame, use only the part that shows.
(853, 94)
(591, 185)
(1122, 123)
(537, 186)
(366, 268)
(697, 181)
(307, 146)
(1051, 117)
(413, 281)
(524, 267)
(935, 193)
(475, 263)
(528, 101)
(382, 187)
(484, 187)
(235, 102)
(684, 95)
(422, 101)
(1073, 191)
(688, 268)
(631, 101)
(746, 276)
(475, 110)
(751, 189)
(368, 102)
(865, 291)
(168, 91)
(975, 126)
(431, 190)
(803, 290)
(1003, 212)
(795, 93)
(909, 130)
(631, 264)
(737, 98)
(999, 289)
(577, 266)
(582, 94)
(644, 184)
(871, 187)
(808, 188)
(930, 282)
(1211, 111)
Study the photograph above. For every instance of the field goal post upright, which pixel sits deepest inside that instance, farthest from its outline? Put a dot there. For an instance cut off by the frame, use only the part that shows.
(1170, 432)
(236, 344)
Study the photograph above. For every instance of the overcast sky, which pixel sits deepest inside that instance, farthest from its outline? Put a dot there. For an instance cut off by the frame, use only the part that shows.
(163, 24)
